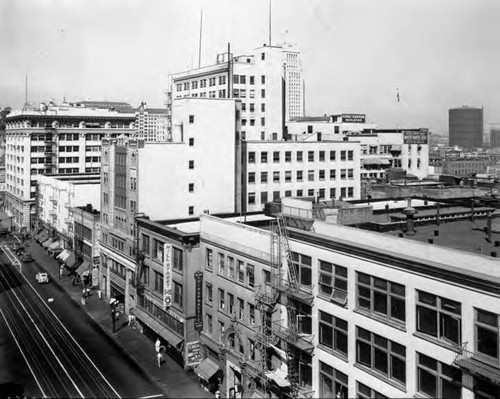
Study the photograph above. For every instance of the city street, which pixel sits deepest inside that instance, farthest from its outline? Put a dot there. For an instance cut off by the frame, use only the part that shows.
(66, 353)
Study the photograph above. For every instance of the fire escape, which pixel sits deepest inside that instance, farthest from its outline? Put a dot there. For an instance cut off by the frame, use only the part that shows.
(286, 291)
(478, 365)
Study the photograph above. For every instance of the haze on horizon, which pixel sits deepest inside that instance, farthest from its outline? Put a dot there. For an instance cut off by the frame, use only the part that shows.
(355, 53)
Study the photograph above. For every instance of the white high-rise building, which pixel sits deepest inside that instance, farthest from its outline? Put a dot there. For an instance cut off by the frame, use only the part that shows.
(268, 81)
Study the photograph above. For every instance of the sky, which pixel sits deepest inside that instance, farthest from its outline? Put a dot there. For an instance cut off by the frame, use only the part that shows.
(355, 54)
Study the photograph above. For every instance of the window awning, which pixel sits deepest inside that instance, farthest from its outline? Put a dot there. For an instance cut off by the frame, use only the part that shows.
(63, 255)
(42, 237)
(376, 161)
(83, 268)
(39, 235)
(48, 242)
(158, 328)
(55, 245)
(70, 260)
(206, 369)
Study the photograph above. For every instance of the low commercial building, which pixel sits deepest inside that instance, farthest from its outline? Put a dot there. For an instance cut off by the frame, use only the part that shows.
(343, 312)
(87, 233)
(56, 196)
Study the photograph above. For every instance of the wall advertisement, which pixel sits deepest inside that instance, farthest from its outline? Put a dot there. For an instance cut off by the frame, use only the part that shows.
(167, 275)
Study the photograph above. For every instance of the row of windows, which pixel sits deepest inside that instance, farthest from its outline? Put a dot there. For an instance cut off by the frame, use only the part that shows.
(231, 305)
(230, 268)
(221, 80)
(157, 251)
(299, 156)
(299, 175)
(345, 192)
(159, 288)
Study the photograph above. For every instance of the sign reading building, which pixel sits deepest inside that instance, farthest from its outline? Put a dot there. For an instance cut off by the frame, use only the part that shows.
(353, 118)
(167, 275)
(193, 353)
(415, 136)
(198, 306)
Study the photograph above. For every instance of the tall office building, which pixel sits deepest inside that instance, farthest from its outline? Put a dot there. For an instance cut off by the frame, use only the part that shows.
(466, 127)
(54, 140)
(268, 81)
(495, 137)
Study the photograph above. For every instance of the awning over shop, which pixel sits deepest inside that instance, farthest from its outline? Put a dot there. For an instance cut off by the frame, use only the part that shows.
(64, 255)
(83, 268)
(43, 237)
(158, 328)
(279, 377)
(48, 242)
(40, 234)
(70, 260)
(206, 369)
(55, 245)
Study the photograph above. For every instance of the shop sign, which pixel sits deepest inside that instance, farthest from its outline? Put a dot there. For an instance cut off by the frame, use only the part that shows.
(415, 137)
(193, 353)
(167, 276)
(198, 306)
(353, 118)
(95, 276)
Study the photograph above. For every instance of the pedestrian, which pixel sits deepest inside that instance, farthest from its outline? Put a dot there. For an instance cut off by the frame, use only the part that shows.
(159, 356)
(130, 320)
(84, 293)
(157, 345)
(99, 294)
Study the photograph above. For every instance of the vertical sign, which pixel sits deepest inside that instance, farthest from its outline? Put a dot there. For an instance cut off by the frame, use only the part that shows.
(198, 306)
(167, 275)
(193, 353)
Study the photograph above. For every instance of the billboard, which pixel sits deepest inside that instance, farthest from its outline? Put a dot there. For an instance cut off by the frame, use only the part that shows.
(198, 305)
(353, 118)
(415, 136)
(167, 275)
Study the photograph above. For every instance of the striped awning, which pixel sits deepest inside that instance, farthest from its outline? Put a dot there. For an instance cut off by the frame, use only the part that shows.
(64, 255)
(70, 260)
(206, 369)
(83, 268)
(43, 237)
(47, 242)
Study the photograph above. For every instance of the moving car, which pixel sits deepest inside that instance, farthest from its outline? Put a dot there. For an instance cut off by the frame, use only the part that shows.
(26, 258)
(42, 278)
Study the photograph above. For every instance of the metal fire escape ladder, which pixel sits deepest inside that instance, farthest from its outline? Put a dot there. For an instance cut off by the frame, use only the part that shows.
(291, 351)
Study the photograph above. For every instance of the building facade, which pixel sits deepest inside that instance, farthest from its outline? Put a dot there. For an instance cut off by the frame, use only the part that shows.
(57, 195)
(466, 127)
(87, 232)
(354, 318)
(54, 140)
(268, 81)
(195, 172)
(275, 169)
(495, 138)
(151, 124)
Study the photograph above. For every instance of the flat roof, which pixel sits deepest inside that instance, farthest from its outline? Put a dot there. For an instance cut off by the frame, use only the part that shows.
(462, 235)
(194, 226)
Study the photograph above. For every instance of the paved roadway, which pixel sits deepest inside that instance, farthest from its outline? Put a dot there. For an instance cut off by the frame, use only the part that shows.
(64, 350)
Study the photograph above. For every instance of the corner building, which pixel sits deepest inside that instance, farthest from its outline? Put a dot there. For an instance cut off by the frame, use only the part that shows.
(353, 317)
(57, 140)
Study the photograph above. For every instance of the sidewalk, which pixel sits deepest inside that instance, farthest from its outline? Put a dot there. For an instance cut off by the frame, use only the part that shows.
(171, 378)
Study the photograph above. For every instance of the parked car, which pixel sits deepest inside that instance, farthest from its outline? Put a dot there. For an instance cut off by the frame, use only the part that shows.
(26, 258)
(4, 231)
(42, 278)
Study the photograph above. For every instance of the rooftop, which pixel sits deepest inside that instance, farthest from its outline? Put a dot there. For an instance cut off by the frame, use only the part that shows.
(463, 235)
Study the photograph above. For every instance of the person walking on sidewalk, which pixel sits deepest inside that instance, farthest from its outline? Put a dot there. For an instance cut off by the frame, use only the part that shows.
(159, 357)
(157, 345)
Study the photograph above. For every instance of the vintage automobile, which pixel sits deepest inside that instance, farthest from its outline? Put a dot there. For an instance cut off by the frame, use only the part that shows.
(42, 278)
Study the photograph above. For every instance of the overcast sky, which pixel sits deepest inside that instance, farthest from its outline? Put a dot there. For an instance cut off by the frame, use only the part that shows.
(355, 53)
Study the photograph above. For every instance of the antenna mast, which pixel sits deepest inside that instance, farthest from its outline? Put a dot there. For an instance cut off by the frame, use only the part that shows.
(269, 22)
(201, 29)
(25, 93)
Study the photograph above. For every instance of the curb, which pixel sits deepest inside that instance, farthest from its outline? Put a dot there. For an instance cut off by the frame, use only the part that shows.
(107, 333)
